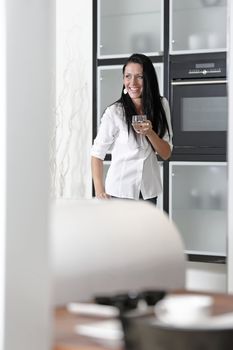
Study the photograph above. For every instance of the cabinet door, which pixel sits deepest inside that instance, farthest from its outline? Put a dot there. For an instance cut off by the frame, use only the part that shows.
(198, 25)
(197, 204)
(127, 26)
(110, 85)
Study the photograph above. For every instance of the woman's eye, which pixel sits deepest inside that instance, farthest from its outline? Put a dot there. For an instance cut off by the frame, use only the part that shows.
(129, 76)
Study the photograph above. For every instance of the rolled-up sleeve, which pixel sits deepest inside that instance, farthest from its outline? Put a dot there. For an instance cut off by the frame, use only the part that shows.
(168, 137)
(106, 135)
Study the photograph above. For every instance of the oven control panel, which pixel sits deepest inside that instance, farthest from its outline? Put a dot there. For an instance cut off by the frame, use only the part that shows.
(204, 71)
(187, 67)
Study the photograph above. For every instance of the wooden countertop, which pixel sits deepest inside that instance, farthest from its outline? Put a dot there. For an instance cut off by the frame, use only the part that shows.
(65, 336)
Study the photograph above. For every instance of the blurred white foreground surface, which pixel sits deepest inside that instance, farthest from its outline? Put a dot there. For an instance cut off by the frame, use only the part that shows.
(112, 246)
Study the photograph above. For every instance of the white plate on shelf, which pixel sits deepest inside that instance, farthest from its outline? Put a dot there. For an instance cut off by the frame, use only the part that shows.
(109, 332)
(91, 309)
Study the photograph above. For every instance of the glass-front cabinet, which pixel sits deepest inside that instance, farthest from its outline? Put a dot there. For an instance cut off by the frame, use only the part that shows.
(198, 205)
(127, 26)
(109, 85)
(198, 26)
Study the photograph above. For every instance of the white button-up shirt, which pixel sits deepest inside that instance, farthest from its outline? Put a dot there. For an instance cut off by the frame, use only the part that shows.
(134, 166)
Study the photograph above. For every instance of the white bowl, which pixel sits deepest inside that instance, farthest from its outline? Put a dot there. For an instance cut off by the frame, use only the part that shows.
(184, 309)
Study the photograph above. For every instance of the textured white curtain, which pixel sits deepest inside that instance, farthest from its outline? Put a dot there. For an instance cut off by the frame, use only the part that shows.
(71, 136)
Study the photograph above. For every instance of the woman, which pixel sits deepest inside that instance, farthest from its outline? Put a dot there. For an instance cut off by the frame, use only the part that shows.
(134, 171)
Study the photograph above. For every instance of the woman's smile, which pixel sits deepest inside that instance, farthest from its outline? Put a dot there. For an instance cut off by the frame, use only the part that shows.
(133, 80)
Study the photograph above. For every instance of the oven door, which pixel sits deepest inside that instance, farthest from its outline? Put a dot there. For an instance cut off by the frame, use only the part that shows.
(199, 116)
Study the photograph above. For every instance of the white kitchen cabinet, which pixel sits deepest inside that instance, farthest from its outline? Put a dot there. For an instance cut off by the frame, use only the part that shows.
(127, 26)
(198, 205)
(198, 26)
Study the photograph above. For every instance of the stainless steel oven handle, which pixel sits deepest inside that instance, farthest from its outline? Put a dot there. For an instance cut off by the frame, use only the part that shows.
(199, 82)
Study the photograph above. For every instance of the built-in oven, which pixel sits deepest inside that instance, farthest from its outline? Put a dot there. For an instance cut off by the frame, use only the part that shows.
(198, 99)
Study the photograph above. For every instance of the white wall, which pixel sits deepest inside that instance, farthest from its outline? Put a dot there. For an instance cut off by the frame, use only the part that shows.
(2, 167)
(70, 163)
(25, 111)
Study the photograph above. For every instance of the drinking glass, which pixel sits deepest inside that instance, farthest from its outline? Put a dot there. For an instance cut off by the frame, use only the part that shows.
(137, 123)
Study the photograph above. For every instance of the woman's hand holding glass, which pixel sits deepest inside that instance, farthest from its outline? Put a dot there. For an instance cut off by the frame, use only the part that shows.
(141, 124)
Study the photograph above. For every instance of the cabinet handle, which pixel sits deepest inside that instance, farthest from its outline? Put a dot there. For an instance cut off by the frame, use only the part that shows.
(199, 82)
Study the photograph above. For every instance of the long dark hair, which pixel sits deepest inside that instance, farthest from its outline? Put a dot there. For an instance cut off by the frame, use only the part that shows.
(151, 98)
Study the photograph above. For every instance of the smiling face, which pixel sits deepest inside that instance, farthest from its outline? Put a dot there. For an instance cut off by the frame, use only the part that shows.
(133, 80)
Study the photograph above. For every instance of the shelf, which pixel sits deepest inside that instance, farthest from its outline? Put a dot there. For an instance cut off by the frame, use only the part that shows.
(205, 253)
(187, 51)
(206, 258)
(126, 55)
